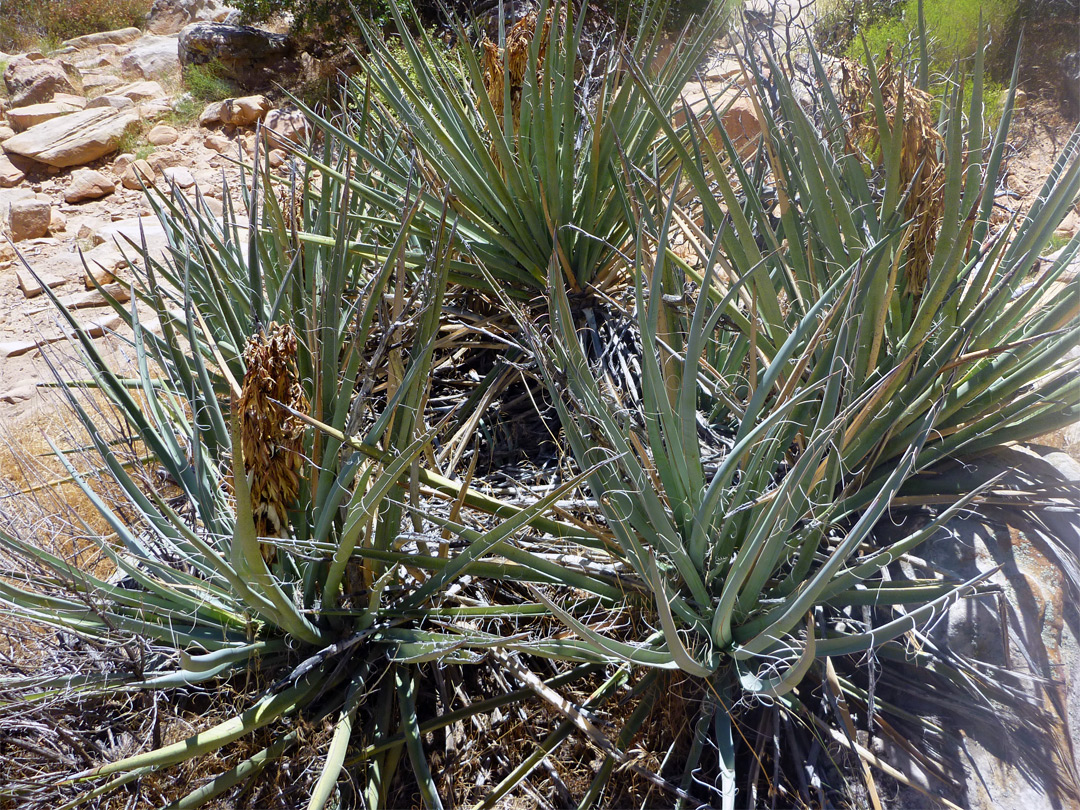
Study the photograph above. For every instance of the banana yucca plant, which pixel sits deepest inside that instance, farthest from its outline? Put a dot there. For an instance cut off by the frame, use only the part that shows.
(731, 463)
(793, 401)
(257, 548)
(523, 142)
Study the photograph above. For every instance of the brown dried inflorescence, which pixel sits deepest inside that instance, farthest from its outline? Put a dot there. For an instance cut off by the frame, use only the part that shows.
(511, 63)
(272, 438)
(921, 171)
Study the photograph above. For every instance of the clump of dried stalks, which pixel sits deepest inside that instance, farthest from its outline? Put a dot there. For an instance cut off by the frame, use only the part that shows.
(921, 169)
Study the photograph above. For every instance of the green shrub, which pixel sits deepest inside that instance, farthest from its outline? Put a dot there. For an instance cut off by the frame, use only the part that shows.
(26, 24)
(207, 82)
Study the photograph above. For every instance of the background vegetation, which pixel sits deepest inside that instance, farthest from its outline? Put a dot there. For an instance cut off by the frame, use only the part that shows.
(26, 24)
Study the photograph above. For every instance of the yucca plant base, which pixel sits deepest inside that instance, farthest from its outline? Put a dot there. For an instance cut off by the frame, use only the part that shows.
(457, 484)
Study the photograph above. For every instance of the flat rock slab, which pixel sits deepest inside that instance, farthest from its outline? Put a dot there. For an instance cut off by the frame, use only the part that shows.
(31, 286)
(22, 118)
(95, 329)
(73, 139)
(120, 36)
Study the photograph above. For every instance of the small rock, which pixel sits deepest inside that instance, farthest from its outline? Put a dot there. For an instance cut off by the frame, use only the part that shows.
(277, 157)
(213, 114)
(243, 112)
(120, 165)
(113, 102)
(162, 135)
(10, 174)
(57, 221)
(29, 219)
(214, 206)
(138, 174)
(180, 176)
(218, 143)
(89, 228)
(6, 132)
(1020, 99)
(1069, 226)
(88, 184)
(164, 159)
(31, 286)
(285, 126)
(101, 264)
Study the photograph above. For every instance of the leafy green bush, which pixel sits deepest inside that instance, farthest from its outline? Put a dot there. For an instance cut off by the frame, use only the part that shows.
(208, 82)
(27, 24)
(952, 28)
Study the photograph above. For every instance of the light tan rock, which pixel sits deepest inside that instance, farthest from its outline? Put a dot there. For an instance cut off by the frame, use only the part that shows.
(179, 176)
(283, 127)
(94, 297)
(29, 219)
(151, 56)
(111, 102)
(140, 91)
(74, 139)
(57, 221)
(33, 287)
(121, 163)
(235, 112)
(88, 184)
(10, 174)
(120, 36)
(164, 159)
(33, 81)
(218, 143)
(138, 174)
(5, 132)
(70, 98)
(97, 82)
(19, 393)
(277, 157)
(162, 135)
(740, 120)
(22, 118)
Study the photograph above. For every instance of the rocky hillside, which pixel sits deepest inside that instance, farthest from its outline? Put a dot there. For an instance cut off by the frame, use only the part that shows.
(84, 129)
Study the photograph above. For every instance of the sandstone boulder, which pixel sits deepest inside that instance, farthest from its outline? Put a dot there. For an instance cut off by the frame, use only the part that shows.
(121, 36)
(29, 219)
(737, 115)
(248, 55)
(30, 81)
(74, 139)
(151, 56)
(88, 184)
(22, 118)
